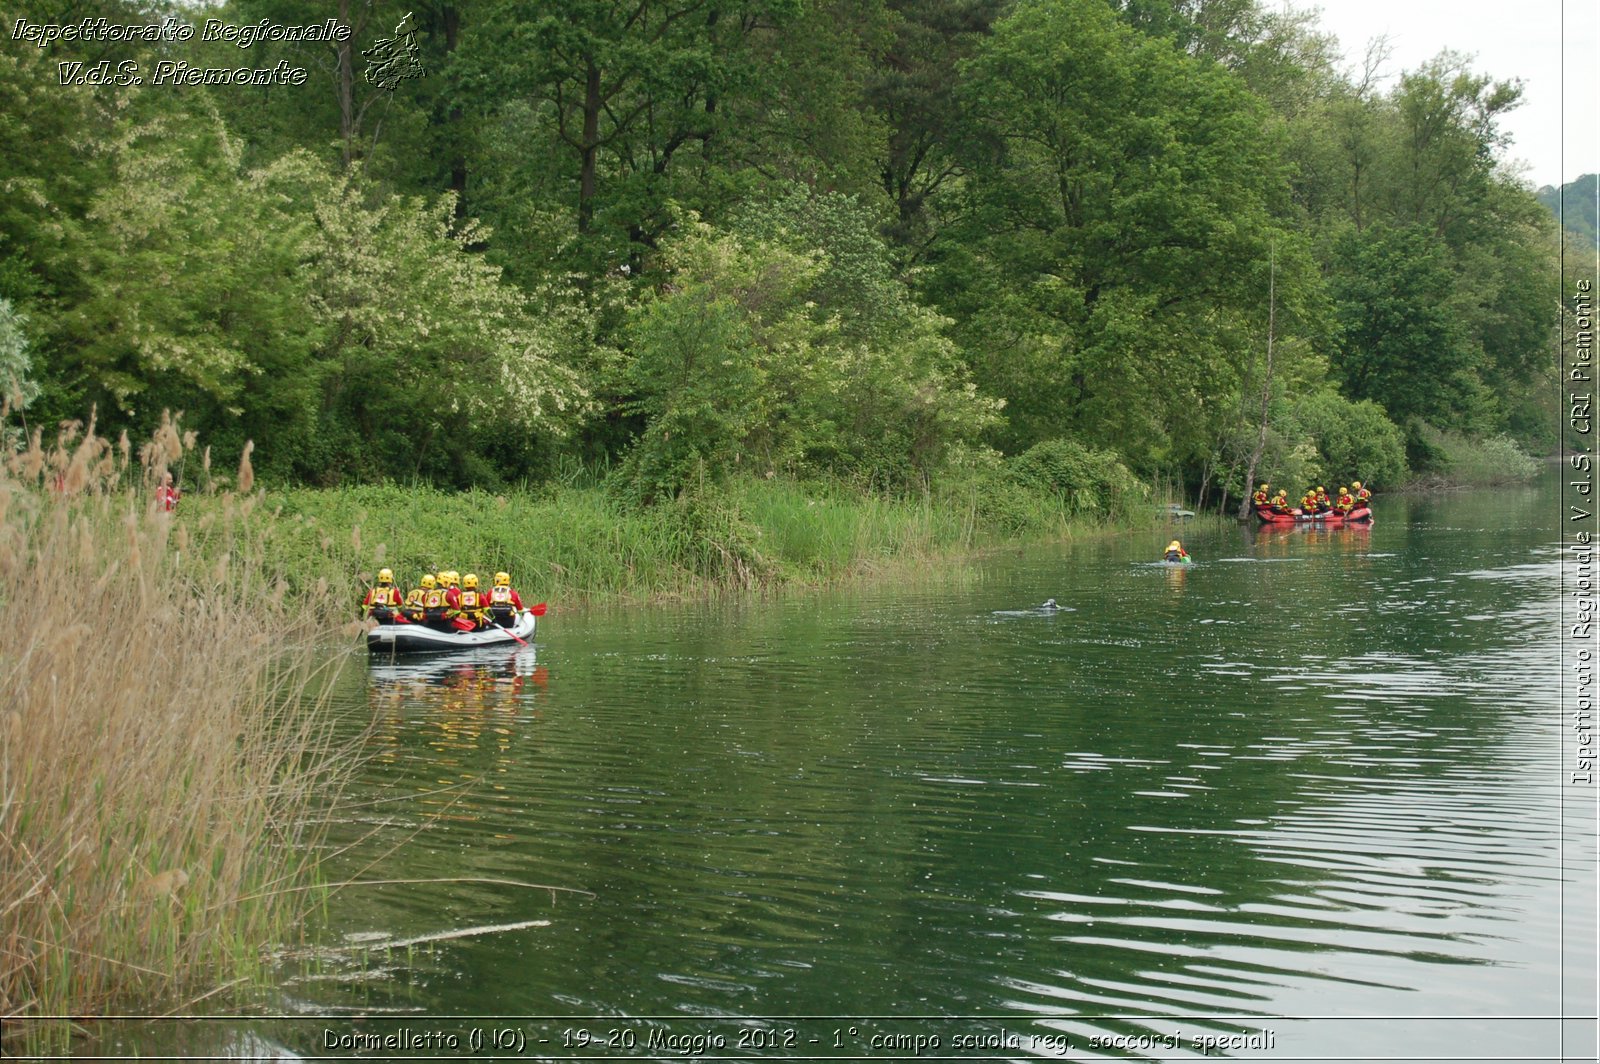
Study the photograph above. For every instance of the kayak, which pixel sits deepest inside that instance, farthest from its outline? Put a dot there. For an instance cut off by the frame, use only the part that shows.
(1328, 518)
(411, 638)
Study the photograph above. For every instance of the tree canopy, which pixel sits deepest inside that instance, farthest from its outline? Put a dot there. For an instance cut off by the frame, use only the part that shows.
(865, 239)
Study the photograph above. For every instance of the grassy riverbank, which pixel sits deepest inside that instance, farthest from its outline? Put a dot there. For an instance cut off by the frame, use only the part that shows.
(578, 544)
(158, 758)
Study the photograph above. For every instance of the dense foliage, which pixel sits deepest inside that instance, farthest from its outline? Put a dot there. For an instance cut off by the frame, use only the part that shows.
(663, 242)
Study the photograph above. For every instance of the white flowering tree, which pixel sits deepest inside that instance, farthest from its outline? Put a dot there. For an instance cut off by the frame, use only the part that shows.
(347, 330)
(17, 383)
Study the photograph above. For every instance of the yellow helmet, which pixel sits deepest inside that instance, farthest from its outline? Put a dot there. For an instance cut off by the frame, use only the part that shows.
(451, 577)
(501, 579)
(1174, 545)
(470, 581)
(1355, 483)
(428, 580)
(1321, 488)
(1343, 489)
(1262, 488)
(385, 576)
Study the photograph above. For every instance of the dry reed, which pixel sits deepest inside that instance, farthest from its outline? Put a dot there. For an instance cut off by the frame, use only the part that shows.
(157, 758)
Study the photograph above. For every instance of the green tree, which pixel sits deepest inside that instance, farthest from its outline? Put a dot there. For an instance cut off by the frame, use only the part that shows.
(347, 331)
(1354, 441)
(190, 283)
(16, 377)
(1399, 343)
(52, 165)
(1280, 55)
(428, 350)
(1113, 280)
(1434, 255)
(734, 366)
(340, 114)
(916, 88)
(627, 89)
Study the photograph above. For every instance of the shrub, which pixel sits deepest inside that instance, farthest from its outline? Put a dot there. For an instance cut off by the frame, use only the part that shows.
(1461, 459)
(1088, 482)
(1353, 441)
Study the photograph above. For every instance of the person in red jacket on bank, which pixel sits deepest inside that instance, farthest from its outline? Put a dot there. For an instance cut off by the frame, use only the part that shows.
(167, 495)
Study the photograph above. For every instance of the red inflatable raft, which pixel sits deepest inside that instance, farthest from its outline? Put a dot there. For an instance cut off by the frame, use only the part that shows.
(1327, 518)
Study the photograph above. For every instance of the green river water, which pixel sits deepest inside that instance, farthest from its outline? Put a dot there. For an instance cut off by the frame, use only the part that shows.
(1306, 798)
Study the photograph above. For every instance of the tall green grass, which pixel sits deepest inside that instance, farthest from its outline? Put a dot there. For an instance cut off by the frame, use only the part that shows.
(157, 756)
(572, 544)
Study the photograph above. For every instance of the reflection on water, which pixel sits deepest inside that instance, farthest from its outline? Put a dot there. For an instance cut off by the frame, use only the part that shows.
(1302, 788)
(466, 709)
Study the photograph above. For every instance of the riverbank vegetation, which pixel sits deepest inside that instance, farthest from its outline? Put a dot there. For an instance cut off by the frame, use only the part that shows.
(158, 751)
(683, 241)
(585, 541)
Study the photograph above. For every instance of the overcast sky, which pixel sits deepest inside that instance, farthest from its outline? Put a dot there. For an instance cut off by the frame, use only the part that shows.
(1523, 39)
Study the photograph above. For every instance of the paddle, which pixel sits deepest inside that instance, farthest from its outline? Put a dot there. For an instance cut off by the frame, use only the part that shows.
(537, 611)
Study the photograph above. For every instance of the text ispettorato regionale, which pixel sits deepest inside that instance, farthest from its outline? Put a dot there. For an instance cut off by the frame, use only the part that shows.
(99, 30)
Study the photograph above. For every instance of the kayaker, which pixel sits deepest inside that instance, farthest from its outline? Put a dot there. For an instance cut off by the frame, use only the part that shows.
(383, 599)
(413, 609)
(1050, 606)
(1363, 496)
(1176, 553)
(1346, 501)
(471, 604)
(504, 602)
